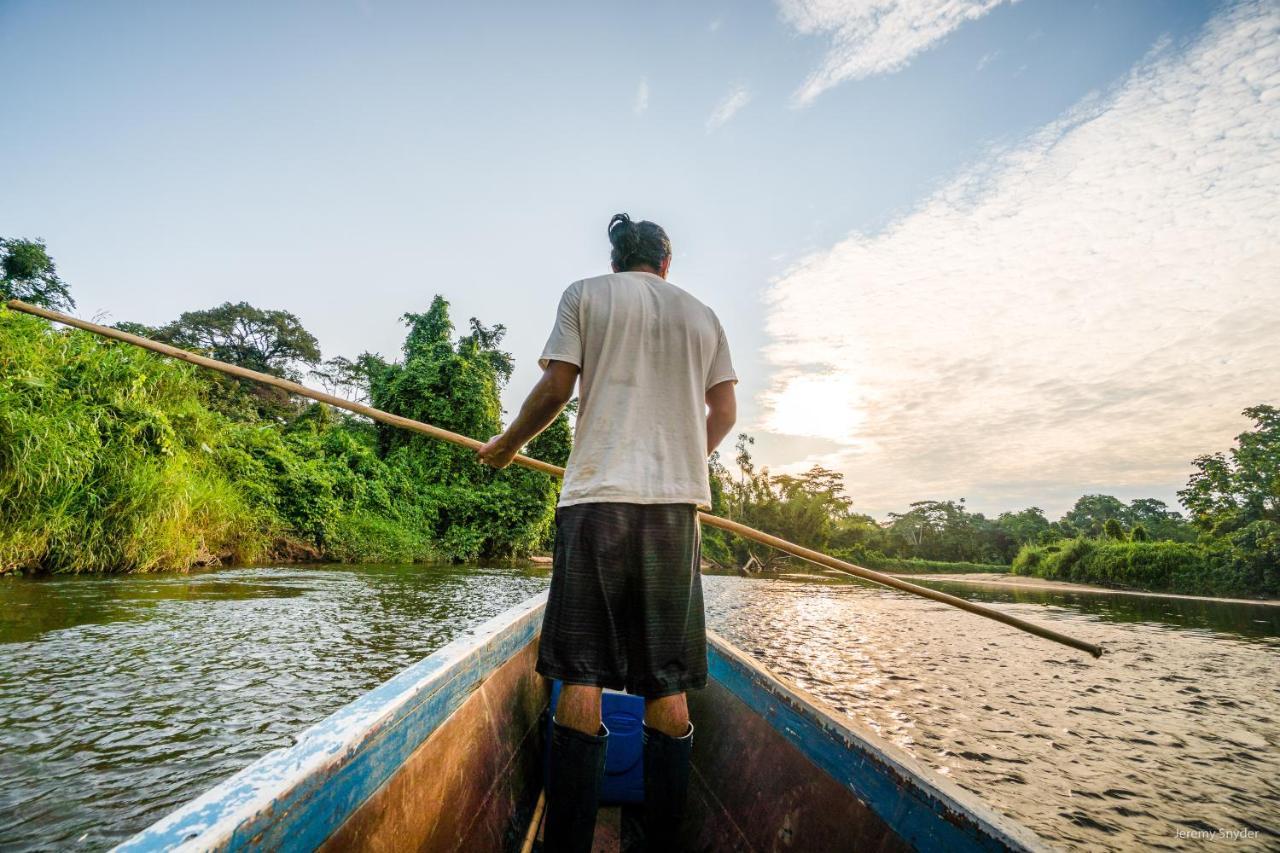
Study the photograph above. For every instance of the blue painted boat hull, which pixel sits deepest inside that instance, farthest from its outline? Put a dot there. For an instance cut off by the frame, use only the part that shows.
(445, 756)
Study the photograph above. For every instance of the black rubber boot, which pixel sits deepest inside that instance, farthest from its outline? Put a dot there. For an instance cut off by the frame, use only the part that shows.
(656, 826)
(573, 792)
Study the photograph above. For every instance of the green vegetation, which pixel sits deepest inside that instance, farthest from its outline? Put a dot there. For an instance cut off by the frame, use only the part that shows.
(1234, 500)
(1181, 567)
(905, 565)
(1230, 545)
(108, 459)
(114, 459)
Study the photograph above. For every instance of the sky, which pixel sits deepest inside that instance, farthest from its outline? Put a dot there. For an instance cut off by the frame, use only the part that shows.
(1013, 252)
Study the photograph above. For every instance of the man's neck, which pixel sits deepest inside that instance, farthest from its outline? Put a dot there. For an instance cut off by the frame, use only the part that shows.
(645, 268)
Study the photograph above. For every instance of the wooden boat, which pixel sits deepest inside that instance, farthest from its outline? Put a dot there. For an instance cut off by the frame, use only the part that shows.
(447, 756)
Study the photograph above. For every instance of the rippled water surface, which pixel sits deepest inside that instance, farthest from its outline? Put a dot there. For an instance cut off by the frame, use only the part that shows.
(1176, 729)
(121, 698)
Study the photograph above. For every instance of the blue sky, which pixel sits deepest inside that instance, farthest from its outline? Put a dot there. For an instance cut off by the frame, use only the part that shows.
(1011, 251)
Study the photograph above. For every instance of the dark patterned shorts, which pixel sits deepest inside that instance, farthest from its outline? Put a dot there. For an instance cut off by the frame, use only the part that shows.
(625, 607)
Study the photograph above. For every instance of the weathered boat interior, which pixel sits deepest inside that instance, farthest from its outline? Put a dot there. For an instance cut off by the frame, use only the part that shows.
(447, 756)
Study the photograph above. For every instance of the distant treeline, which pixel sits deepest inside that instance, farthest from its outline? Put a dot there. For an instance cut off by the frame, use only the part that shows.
(1230, 544)
(115, 459)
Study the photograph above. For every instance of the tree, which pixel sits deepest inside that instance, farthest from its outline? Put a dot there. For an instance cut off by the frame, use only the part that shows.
(946, 530)
(28, 273)
(1158, 521)
(1091, 512)
(1021, 528)
(268, 341)
(1112, 529)
(351, 380)
(1234, 498)
(456, 385)
(1139, 534)
(1230, 491)
(555, 442)
(805, 508)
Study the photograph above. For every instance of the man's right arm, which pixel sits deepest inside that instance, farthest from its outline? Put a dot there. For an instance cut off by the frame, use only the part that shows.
(722, 411)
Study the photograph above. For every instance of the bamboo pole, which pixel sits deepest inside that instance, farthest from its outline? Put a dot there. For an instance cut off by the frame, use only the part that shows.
(555, 470)
(531, 834)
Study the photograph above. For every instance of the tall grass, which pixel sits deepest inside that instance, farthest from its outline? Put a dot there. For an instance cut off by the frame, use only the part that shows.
(111, 459)
(107, 461)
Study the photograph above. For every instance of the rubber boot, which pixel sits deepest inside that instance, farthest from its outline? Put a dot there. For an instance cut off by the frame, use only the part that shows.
(573, 792)
(655, 826)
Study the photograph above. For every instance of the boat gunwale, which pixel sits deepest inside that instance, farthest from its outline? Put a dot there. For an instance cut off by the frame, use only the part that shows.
(236, 812)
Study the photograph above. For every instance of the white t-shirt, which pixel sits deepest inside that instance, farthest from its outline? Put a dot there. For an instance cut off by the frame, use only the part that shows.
(648, 352)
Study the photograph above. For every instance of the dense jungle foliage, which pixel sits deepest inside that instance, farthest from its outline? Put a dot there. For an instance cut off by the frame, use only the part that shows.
(114, 459)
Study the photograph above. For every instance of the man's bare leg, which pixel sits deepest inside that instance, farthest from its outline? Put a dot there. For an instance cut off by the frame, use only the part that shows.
(669, 715)
(579, 708)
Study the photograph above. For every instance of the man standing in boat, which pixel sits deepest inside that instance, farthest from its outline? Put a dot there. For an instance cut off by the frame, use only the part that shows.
(625, 607)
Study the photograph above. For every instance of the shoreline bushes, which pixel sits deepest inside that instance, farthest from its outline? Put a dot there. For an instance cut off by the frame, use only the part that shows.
(1178, 567)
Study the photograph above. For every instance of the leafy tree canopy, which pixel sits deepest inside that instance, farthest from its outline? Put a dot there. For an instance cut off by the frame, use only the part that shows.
(1229, 491)
(1091, 513)
(806, 508)
(28, 273)
(350, 379)
(456, 385)
(268, 341)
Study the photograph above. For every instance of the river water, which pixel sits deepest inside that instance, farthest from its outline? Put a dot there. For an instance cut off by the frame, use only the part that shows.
(123, 697)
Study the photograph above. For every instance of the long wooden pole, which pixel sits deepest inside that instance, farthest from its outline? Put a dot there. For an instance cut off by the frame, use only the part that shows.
(555, 470)
(531, 834)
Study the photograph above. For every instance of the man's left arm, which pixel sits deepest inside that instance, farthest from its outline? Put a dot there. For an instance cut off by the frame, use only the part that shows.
(540, 408)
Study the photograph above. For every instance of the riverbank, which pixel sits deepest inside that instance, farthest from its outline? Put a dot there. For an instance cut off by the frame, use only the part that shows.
(1011, 581)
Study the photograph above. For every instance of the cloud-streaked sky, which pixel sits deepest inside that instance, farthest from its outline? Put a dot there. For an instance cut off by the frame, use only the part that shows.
(869, 37)
(1085, 309)
(1010, 251)
(728, 107)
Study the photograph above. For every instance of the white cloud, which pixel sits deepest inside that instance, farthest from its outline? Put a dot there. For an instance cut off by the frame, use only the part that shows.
(729, 105)
(987, 59)
(1089, 310)
(870, 37)
(642, 97)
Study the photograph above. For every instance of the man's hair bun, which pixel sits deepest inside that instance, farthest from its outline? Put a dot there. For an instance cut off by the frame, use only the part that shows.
(637, 244)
